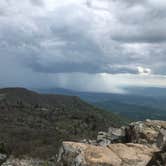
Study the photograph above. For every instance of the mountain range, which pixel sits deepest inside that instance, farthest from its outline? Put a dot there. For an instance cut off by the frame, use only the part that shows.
(35, 124)
(137, 104)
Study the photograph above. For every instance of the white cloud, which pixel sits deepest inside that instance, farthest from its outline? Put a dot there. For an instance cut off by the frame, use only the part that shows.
(157, 3)
(143, 71)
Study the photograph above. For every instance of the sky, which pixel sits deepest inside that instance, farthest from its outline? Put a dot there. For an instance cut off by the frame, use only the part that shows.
(86, 45)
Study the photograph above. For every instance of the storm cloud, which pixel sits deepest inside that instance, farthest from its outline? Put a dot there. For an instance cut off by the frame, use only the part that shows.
(47, 38)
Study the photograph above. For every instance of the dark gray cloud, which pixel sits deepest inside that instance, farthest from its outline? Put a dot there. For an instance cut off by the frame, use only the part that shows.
(142, 21)
(43, 38)
(149, 37)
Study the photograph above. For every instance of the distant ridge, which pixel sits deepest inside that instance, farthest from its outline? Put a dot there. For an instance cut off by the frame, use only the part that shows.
(139, 104)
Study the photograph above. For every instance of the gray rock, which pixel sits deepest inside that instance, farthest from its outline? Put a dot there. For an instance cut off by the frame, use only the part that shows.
(113, 135)
(116, 134)
(3, 158)
(70, 155)
(149, 132)
(103, 139)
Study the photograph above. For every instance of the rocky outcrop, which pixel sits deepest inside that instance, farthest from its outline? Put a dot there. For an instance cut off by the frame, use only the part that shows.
(79, 154)
(138, 144)
(149, 132)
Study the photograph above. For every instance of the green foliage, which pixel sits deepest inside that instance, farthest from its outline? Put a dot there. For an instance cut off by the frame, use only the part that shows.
(45, 164)
(3, 148)
(134, 112)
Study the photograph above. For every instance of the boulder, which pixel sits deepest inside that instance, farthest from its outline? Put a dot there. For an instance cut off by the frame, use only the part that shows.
(149, 132)
(117, 134)
(114, 135)
(79, 154)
